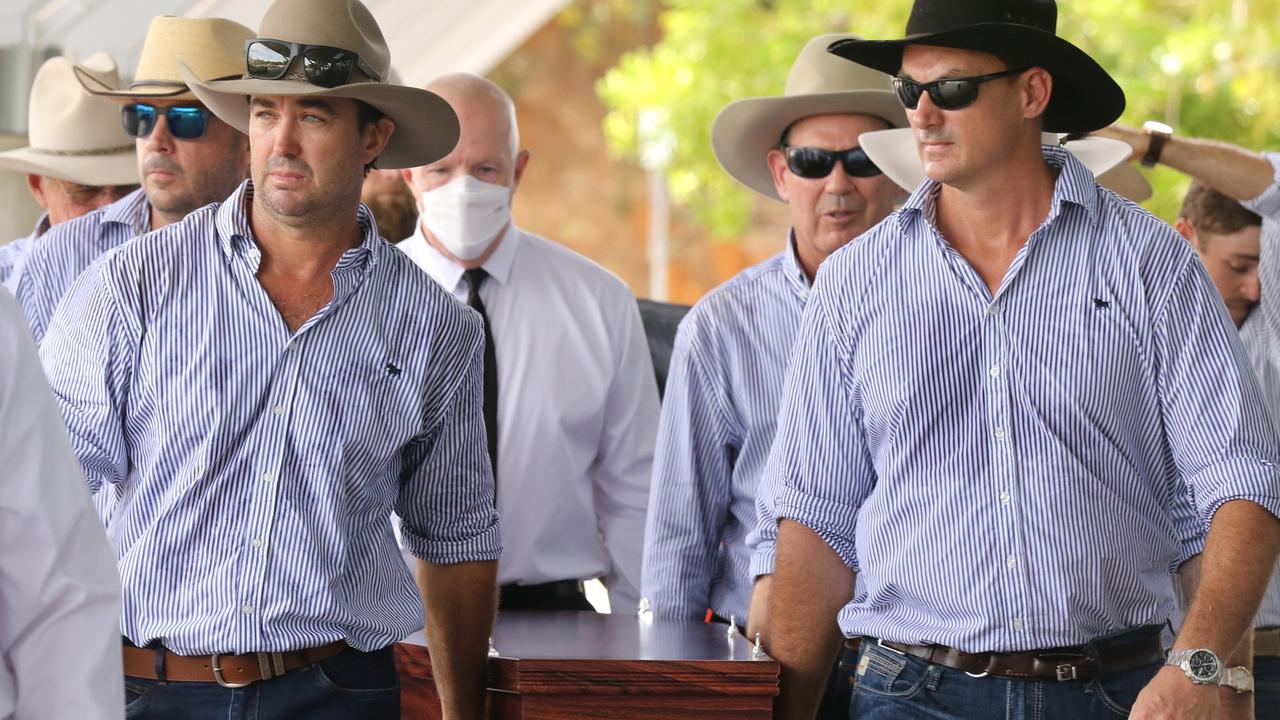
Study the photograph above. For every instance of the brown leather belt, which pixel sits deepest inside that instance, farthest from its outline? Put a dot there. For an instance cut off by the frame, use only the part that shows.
(1061, 664)
(1266, 642)
(226, 670)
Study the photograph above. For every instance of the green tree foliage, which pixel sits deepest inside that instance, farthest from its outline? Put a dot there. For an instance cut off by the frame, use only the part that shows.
(1209, 68)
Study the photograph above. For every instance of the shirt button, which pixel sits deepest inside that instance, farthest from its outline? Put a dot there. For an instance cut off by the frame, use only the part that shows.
(1004, 498)
(256, 542)
(1012, 562)
(995, 371)
(279, 409)
(248, 609)
(993, 309)
(1017, 624)
(999, 433)
(267, 477)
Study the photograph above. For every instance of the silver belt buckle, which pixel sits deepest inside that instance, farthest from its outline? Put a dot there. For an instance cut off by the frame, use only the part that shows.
(217, 674)
(1066, 672)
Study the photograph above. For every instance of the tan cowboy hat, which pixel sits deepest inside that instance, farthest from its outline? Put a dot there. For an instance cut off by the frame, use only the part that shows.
(211, 47)
(895, 152)
(819, 84)
(74, 136)
(426, 125)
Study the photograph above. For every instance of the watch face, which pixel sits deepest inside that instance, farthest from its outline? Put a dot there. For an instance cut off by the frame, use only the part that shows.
(1203, 665)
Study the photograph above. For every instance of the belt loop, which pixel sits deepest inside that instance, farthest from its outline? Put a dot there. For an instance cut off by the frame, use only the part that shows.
(277, 663)
(158, 654)
(264, 666)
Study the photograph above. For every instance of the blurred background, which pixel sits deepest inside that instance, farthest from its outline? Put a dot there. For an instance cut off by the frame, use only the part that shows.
(616, 98)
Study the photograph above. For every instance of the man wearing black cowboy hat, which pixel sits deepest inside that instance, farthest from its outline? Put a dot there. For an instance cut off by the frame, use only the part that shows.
(995, 400)
(264, 382)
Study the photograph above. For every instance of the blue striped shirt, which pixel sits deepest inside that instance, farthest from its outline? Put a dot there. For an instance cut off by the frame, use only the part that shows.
(718, 418)
(1261, 336)
(58, 257)
(1002, 471)
(256, 470)
(13, 255)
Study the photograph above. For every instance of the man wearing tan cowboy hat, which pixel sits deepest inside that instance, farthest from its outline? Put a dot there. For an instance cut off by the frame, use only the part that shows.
(79, 157)
(731, 350)
(995, 399)
(263, 382)
(186, 157)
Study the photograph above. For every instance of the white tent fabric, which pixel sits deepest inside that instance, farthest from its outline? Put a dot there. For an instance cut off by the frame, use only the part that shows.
(426, 38)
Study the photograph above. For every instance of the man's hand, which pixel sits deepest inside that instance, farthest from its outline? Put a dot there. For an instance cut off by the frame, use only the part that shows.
(1132, 137)
(1172, 696)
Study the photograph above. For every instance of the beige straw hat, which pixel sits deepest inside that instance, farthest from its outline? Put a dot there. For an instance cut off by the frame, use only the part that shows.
(74, 136)
(211, 47)
(819, 84)
(894, 152)
(426, 125)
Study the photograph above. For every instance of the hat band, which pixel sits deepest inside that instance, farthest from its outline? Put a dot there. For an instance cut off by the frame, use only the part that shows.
(81, 153)
(156, 83)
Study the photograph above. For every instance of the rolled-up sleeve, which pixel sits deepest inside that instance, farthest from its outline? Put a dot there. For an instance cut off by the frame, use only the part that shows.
(1219, 429)
(819, 470)
(446, 495)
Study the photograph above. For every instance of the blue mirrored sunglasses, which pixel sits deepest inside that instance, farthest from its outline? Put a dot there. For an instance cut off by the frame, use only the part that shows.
(185, 122)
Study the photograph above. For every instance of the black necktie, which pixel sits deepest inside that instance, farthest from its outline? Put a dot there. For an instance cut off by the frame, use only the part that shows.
(475, 278)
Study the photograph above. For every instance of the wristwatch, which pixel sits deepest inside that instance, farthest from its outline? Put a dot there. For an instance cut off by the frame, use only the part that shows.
(1237, 678)
(1157, 133)
(1200, 664)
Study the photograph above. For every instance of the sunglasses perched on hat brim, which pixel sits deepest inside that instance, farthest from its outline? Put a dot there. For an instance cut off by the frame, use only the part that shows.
(185, 122)
(324, 66)
(946, 93)
(816, 163)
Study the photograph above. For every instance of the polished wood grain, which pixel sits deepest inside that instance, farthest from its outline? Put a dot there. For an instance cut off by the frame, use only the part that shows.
(580, 666)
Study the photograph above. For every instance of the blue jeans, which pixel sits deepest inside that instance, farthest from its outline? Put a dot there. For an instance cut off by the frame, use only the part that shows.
(891, 686)
(348, 686)
(1266, 683)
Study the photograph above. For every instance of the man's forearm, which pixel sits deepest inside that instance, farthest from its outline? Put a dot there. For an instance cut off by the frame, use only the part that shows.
(1238, 173)
(758, 610)
(1239, 555)
(810, 585)
(460, 603)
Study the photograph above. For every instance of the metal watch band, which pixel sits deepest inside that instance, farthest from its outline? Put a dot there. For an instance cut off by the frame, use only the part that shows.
(1237, 678)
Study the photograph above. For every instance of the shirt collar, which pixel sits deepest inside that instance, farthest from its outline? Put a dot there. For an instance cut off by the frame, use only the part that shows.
(793, 270)
(42, 226)
(449, 273)
(1075, 185)
(132, 210)
(235, 234)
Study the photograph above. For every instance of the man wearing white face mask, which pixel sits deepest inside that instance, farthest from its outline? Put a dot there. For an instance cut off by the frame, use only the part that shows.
(571, 408)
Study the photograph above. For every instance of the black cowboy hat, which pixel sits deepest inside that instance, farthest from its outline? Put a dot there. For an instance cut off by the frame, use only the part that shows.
(1085, 98)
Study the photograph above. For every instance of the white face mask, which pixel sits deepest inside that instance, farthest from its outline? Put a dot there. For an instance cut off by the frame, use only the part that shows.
(466, 215)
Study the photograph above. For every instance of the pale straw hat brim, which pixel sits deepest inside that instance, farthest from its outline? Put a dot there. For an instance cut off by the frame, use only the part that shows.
(109, 168)
(426, 125)
(895, 152)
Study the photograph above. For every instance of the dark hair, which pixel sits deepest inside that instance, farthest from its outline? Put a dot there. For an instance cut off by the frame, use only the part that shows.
(1212, 212)
(367, 115)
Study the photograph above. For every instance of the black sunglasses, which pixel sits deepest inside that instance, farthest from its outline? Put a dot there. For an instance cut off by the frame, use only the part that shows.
(186, 122)
(947, 93)
(816, 163)
(323, 65)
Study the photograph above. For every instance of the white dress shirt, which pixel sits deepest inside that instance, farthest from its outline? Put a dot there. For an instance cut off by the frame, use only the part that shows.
(59, 596)
(577, 411)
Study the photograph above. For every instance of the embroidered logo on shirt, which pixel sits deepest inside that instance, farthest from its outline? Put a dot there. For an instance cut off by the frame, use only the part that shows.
(392, 370)
(1101, 304)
